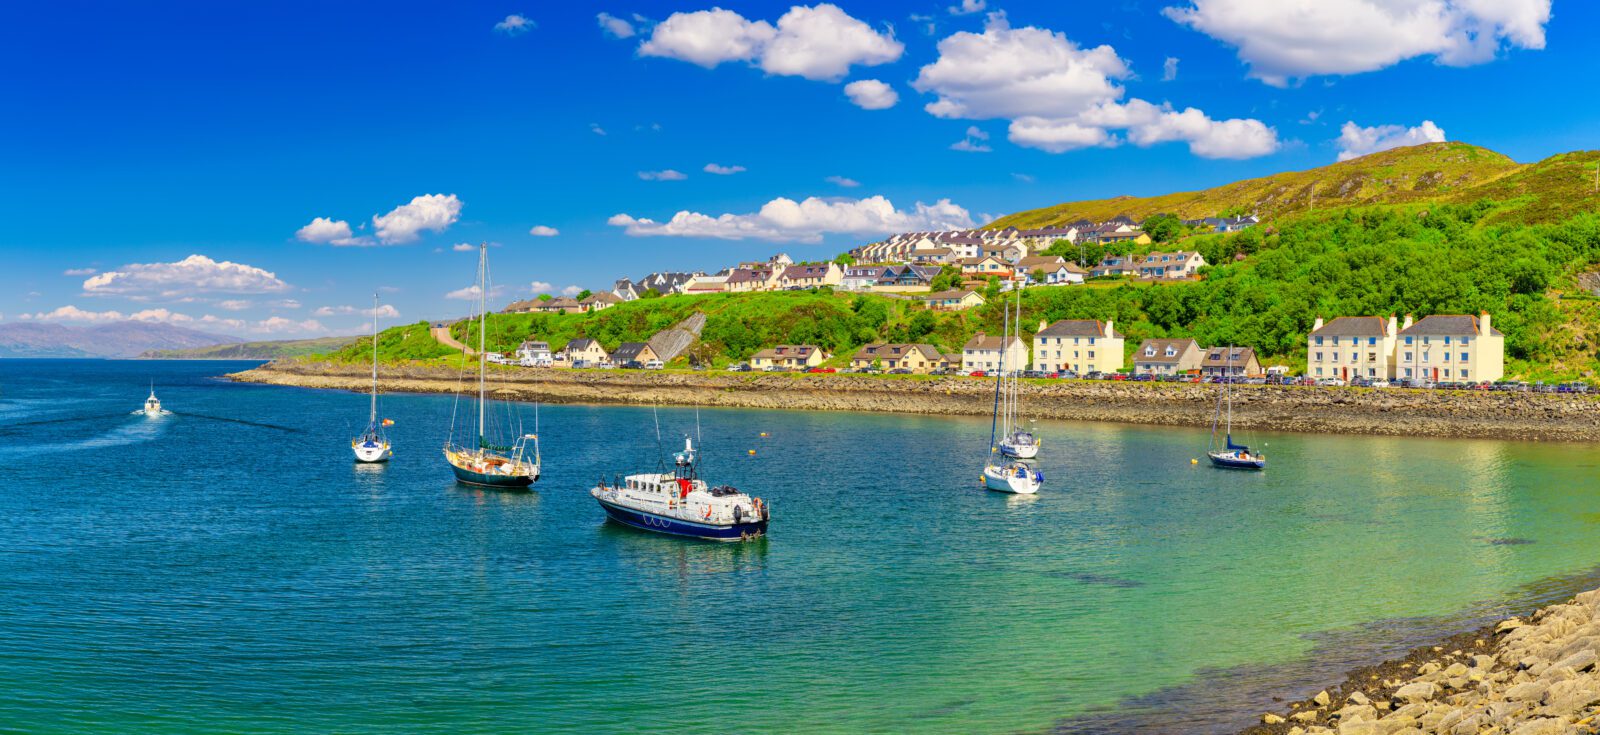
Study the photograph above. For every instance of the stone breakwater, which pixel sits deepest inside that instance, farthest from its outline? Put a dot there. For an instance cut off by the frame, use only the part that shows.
(1536, 676)
(1391, 412)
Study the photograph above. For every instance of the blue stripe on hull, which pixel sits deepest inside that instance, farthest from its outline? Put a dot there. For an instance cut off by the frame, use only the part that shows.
(477, 478)
(1238, 464)
(674, 527)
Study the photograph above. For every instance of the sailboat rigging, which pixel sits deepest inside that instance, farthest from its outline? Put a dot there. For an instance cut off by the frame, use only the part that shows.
(373, 445)
(485, 462)
(1232, 456)
(1005, 472)
(1016, 442)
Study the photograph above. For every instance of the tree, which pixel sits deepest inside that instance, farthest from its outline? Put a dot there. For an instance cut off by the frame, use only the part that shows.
(650, 293)
(949, 278)
(545, 297)
(1037, 275)
(845, 259)
(586, 293)
(1163, 227)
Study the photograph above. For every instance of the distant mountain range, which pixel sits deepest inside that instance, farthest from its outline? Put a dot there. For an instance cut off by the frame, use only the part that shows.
(256, 350)
(116, 339)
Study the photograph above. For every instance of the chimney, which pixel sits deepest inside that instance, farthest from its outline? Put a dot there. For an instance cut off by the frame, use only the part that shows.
(1483, 324)
(1409, 321)
(1108, 329)
(1393, 328)
(1317, 324)
(1043, 324)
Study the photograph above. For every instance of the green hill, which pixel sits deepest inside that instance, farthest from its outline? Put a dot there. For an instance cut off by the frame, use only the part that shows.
(1546, 191)
(271, 350)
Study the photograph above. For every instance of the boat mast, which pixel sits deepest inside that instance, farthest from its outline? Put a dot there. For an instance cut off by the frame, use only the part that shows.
(1228, 376)
(374, 418)
(483, 326)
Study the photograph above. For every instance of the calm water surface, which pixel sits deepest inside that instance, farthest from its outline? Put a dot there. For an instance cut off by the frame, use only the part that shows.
(229, 569)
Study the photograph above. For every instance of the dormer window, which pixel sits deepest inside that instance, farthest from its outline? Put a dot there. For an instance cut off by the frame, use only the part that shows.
(1171, 352)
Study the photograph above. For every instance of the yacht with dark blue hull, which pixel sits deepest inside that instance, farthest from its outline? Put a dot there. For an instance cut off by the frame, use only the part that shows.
(679, 503)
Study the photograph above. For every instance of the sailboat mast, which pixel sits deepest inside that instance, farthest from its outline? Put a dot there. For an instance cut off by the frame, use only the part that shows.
(374, 418)
(483, 326)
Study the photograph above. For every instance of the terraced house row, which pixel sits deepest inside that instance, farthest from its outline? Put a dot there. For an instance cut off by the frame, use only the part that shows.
(1443, 347)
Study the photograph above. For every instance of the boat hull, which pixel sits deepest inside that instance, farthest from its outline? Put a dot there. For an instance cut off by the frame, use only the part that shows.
(645, 521)
(480, 479)
(1010, 483)
(1022, 451)
(373, 454)
(1228, 462)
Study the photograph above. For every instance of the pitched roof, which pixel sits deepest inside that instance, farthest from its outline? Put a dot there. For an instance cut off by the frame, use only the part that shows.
(1454, 325)
(630, 351)
(601, 297)
(1040, 261)
(1354, 326)
(805, 271)
(1180, 349)
(582, 343)
(559, 302)
(954, 293)
(747, 275)
(534, 345)
(894, 350)
(1224, 357)
(789, 351)
(1076, 328)
(981, 341)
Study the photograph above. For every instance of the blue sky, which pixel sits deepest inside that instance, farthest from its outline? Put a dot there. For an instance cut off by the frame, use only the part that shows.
(136, 137)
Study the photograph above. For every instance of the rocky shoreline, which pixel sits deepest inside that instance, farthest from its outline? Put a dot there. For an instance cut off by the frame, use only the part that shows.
(1532, 676)
(1387, 412)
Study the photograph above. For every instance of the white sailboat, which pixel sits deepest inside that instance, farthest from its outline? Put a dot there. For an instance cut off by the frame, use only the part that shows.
(1015, 441)
(373, 445)
(484, 462)
(1231, 456)
(1002, 473)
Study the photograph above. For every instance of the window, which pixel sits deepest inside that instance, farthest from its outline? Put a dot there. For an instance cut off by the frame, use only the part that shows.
(1172, 352)
(1149, 352)
(1319, 342)
(1463, 357)
(1319, 371)
(1464, 375)
(1408, 372)
(1424, 340)
(1465, 341)
(1408, 340)
(1355, 357)
(1424, 357)
(1372, 372)
(1091, 354)
(1407, 358)
(1447, 339)
(1336, 340)
(1319, 357)
(1372, 340)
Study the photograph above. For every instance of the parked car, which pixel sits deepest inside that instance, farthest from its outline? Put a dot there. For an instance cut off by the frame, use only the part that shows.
(823, 370)
(977, 374)
(655, 365)
(1094, 375)
(739, 367)
(1378, 383)
(1067, 375)
(582, 364)
(1331, 382)
(900, 371)
(1034, 374)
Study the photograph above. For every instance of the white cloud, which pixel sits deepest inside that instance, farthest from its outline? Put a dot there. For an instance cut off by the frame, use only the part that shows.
(160, 315)
(596, 129)
(1169, 69)
(194, 274)
(1061, 97)
(968, 7)
(1355, 141)
(234, 304)
(79, 272)
(539, 287)
(845, 182)
(326, 231)
(294, 304)
(464, 247)
(712, 168)
(384, 310)
(871, 94)
(786, 220)
(402, 224)
(515, 25)
(573, 290)
(214, 321)
(1024, 178)
(70, 313)
(665, 175)
(820, 42)
(973, 143)
(1286, 39)
(470, 293)
(615, 27)
(1009, 72)
(543, 231)
(280, 325)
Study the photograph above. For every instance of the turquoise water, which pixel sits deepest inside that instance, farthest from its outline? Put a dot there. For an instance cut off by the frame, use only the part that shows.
(198, 574)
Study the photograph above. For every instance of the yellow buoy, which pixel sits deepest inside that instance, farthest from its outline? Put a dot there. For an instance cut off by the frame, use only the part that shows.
(1193, 461)
(763, 434)
(752, 452)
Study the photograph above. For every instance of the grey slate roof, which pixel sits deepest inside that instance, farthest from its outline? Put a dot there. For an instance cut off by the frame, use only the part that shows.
(1076, 328)
(629, 351)
(1219, 357)
(1455, 325)
(1354, 326)
(1180, 346)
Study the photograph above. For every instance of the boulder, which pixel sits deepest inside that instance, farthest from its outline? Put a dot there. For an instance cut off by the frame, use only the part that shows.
(1322, 699)
(1271, 719)
(1570, 697)
(1531, 691)
(1581, 661)
(1362, 727)
(1541, 726)
(1417, 691)
(1358, 698)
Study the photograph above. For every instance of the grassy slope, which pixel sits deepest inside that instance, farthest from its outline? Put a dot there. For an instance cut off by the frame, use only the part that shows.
(1419, 173)
(255, 350)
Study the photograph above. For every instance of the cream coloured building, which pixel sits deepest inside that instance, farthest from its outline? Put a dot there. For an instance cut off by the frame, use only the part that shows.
(986, 352)
(1080, 345)
(1451, 348)
(1350, 347)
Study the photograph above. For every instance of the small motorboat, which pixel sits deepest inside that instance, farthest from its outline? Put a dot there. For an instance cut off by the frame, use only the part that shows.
(152, 405)
(1015, 477)
(679, 503)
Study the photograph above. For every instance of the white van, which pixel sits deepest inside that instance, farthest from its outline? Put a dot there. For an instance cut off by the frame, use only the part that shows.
(654, 365)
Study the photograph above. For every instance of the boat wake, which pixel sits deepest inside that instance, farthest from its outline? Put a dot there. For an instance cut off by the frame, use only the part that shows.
(134, 432)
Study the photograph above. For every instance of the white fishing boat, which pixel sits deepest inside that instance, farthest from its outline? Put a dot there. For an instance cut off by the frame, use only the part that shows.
(152, 405)
(486, 462)
(373, 445)
(679, 503)
(1007, 470)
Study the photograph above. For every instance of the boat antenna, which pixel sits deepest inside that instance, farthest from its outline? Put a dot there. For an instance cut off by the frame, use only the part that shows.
(661, 452)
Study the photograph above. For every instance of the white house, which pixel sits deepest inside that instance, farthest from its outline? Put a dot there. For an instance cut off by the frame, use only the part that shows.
(985, 352)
